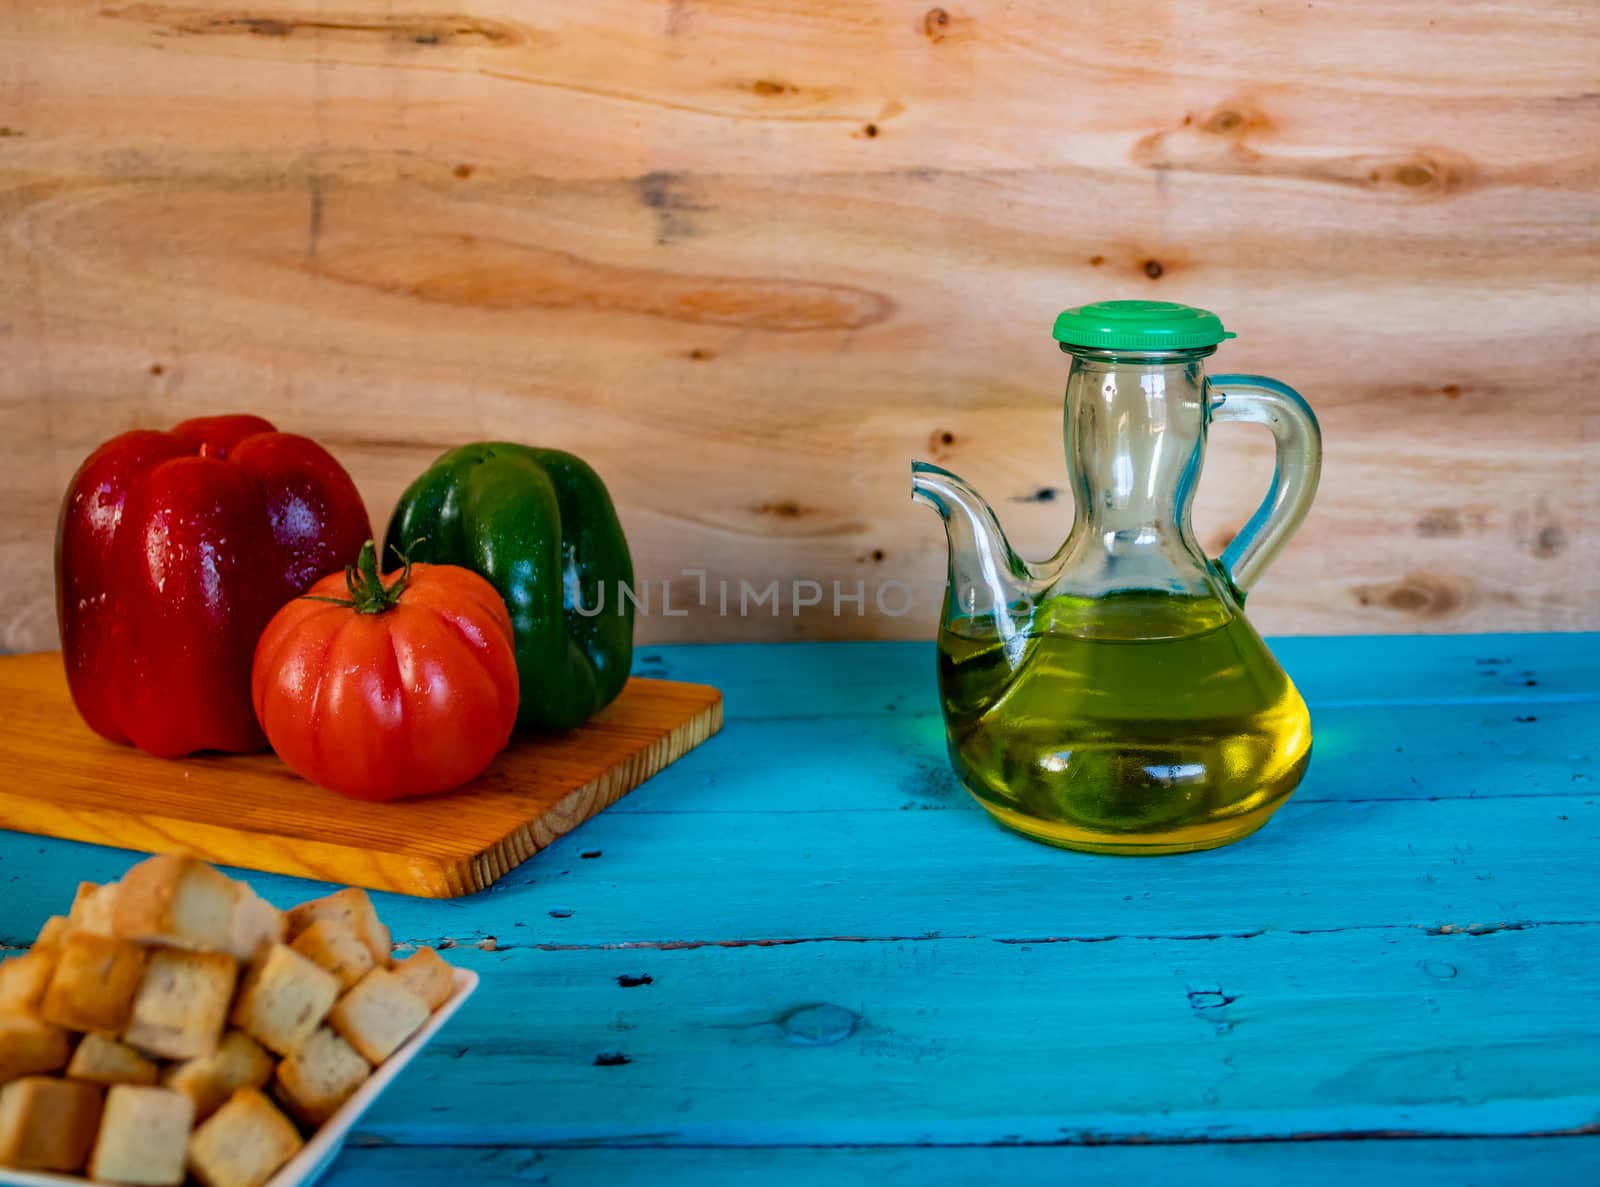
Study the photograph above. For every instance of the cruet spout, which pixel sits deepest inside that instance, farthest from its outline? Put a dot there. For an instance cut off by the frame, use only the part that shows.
(986, 577)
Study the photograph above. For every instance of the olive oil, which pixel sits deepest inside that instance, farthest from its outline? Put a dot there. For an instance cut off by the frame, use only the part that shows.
(1132, 723)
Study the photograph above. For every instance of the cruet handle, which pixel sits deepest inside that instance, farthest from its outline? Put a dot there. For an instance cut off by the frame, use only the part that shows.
(1258, 400)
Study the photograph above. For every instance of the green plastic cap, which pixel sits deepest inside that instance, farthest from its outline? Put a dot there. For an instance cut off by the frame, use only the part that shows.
(1139, 326)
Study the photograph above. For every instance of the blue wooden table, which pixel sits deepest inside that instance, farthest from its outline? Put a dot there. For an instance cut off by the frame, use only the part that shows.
(802, 955)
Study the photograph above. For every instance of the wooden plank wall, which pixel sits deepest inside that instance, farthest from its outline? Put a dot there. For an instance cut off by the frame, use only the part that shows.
(752, 256)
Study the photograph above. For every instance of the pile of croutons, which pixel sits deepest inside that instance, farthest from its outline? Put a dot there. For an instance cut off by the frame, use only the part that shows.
(168, 1025)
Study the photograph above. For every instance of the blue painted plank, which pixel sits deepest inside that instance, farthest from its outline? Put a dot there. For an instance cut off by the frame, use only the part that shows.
(974, 1041)
(749, 876)
(1489, 1162)
(808, 679)
(909, 873)
(1362, 753)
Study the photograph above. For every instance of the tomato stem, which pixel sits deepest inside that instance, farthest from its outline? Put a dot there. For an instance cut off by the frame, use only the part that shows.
(368, 594)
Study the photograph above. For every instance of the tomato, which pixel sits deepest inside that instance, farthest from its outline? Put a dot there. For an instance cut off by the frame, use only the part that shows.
(381, 691)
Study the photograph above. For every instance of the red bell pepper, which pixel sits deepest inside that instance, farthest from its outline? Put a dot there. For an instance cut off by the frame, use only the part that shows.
(173, 551)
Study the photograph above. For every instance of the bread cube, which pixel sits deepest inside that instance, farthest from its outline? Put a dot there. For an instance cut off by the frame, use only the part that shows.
(91, 909)
(23, 980)
(243, 1144)
(93, 983)
(182, 1004)
(55, 930)
(29, 1046)
(352, 908)
(254, 926)
(144, 1136)
(320, 1076)
(378, 1015)
(47, 1124)
(80, 899)
(426, 974)
(283, 999)
(333, 946)
(100, 1059)
(177, 900)
(209, 1080)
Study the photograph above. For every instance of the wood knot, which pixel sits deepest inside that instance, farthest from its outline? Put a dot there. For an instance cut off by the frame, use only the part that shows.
(1042, 494)
(1421, 174)
(935, 23)
(820, 1025)
(772, 86)
(1424, 595)
(783, 509)
(1539, 531)
(1234, 121)
(1153, 269)
(462, 171)
(1442, 521)
(1210, 999)
(1551, 541)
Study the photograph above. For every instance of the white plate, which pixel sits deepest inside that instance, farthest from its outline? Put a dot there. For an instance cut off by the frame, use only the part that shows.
(318, 1154)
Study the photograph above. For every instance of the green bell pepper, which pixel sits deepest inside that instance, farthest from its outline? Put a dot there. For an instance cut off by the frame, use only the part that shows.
(539, 525)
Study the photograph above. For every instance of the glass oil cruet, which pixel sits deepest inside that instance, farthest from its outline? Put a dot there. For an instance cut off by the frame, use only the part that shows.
(1114, 699)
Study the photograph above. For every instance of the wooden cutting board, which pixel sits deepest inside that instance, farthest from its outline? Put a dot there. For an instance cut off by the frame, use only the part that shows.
(59, 779)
